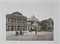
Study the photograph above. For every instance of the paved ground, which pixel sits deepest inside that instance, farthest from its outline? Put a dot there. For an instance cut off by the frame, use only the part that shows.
(29, 36)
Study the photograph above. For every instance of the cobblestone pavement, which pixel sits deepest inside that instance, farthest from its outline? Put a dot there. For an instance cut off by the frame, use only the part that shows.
(30, 36)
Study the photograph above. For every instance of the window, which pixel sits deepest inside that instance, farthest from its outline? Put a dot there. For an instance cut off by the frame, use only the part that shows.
(8, 19)
(12, 28)
(18, 28)
(11, 20)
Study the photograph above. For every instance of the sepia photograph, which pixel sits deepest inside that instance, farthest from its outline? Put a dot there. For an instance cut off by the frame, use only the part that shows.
(19, 27)
(27, 25)
(29, 20)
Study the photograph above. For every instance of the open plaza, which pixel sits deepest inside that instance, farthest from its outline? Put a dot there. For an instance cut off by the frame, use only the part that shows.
(29, 36)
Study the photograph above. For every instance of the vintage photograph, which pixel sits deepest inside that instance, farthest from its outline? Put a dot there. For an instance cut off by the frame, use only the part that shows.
(19, 27)
(30, 21)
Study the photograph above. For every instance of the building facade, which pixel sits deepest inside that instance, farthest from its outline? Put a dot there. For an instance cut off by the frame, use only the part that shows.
(16, 21)
(47, 25)
(33, 24)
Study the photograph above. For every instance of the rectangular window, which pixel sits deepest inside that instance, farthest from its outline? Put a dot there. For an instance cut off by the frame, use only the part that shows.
(8, 19)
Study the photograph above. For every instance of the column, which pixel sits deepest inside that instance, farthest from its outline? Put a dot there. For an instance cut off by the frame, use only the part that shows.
(16, 25)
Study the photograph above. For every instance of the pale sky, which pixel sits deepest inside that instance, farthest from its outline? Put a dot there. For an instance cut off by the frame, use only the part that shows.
(41, 9)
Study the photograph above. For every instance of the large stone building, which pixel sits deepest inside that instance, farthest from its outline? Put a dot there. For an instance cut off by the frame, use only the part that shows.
(47, 25)
(33, 24)
(16, 21)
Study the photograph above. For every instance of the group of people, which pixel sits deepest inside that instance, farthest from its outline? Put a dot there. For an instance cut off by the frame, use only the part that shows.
(19, 32)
